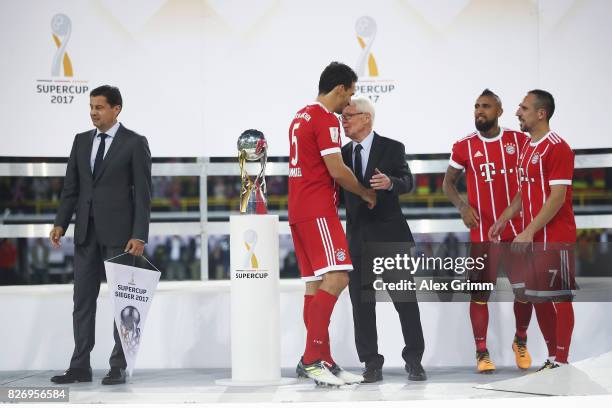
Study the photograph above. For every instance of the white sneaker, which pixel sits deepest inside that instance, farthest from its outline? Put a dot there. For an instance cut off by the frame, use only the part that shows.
(321, 375)
(348, 378)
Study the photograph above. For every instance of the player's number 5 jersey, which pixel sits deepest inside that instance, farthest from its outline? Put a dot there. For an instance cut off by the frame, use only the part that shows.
(313, 193)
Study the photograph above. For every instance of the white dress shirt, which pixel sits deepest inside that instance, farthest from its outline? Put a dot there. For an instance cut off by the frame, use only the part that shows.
(96, 143)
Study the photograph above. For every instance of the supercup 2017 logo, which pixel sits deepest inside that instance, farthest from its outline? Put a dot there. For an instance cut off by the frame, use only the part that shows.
(250, 240)
(252, 268)
(369, 84)
(62, 88)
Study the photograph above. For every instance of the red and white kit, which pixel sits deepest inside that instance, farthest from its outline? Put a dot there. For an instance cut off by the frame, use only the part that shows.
(491, 175)
(546, 163)
(492, 182)
(318, 237)
(543, 164)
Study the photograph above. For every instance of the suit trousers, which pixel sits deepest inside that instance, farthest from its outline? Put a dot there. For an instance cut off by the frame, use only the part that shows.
(364, 320)
(88, 272)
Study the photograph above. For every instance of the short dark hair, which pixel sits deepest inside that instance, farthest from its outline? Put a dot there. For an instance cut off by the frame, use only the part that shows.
(490, 93)
(544, 100)
(111, 93)
(336, 74)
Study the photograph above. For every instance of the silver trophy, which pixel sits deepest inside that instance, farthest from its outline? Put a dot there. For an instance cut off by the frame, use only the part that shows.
(130, 328)
(252, 146)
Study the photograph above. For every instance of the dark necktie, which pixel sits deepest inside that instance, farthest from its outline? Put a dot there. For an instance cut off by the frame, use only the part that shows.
(358, 167)
(100, 153)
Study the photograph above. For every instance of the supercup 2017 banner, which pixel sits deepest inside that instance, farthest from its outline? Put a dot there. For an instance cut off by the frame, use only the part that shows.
(194, 75)
(131, 291)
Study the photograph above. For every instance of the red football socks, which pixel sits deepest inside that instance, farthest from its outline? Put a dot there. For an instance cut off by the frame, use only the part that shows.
(522, 315)
(479, 316)
(565, 326)
(307, 300)
(317, 338)
(547, 319)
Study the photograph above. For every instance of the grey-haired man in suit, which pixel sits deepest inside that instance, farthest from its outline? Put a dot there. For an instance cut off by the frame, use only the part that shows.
(108, 184)
(380, 163)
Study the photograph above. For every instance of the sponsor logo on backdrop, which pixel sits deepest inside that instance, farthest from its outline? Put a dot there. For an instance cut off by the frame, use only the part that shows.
(370, 83)
(252, 269)
(62, 87)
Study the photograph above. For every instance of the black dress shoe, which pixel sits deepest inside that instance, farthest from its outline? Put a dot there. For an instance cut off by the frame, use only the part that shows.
(415, 371)
(114, 376)
(372, 375)
(73, 375)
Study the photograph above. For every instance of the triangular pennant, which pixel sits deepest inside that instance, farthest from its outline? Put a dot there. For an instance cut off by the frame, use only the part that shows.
(131, 291)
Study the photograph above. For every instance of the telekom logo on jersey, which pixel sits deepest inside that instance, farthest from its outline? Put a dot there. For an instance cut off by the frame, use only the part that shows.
(487, 170)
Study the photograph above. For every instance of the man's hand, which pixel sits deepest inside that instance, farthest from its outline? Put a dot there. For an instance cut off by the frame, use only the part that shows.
(496, 229)
(522, 241)
(380, 181)
(469, 216)
(135, 247)
(370, 198)
(55, 235)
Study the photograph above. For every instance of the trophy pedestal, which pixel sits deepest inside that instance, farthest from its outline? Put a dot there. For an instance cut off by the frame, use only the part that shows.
(255, 302)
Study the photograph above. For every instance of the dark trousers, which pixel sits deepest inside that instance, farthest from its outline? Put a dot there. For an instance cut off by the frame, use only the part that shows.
(364, 320)
(88, 272)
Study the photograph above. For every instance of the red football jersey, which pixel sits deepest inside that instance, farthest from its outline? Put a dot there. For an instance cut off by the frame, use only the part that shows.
(313, 193)
(546, 163)
(491, 176)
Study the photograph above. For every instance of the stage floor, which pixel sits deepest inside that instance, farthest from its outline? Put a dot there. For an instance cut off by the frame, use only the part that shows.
(198, 386)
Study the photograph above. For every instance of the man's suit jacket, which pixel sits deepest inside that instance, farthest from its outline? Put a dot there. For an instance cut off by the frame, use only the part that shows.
(385, 222)
(118, 198)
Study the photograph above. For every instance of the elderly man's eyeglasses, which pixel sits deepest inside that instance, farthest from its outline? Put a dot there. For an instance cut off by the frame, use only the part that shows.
(348, 116)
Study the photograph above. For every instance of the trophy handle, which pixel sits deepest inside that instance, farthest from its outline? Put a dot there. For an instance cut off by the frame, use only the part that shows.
(261, 177)
(246, 185)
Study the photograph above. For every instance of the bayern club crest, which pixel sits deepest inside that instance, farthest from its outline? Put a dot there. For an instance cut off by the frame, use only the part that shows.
(340, 255)
(510, 148)
(535, 158)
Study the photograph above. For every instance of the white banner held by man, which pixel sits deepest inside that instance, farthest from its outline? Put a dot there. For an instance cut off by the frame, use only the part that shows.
(131, 291)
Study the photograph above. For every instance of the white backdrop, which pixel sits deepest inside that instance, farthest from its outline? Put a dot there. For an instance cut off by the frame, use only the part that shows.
(195, 74)
(188, 327)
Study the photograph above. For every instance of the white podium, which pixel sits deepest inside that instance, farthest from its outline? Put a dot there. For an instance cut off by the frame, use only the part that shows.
(255, 302)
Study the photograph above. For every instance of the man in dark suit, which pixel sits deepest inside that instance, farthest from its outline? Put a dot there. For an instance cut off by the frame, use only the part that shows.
(379, 163)
(108, 184)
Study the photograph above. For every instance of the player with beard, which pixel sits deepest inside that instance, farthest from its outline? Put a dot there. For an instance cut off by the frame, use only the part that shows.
(489, 157)
(546, 168)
